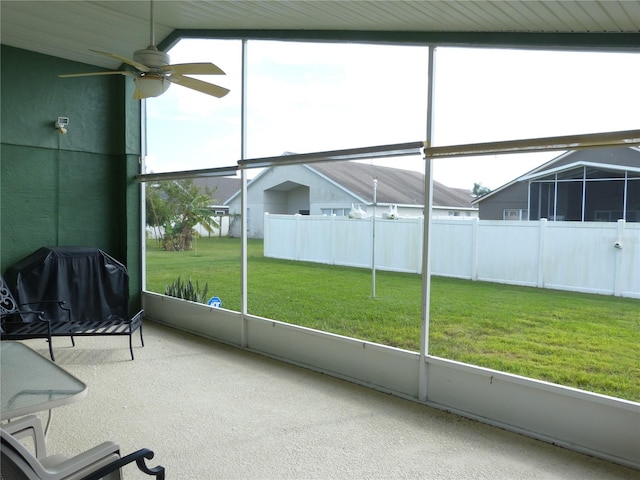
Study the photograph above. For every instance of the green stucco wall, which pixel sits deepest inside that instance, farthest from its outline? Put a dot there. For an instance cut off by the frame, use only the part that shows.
(76, 189)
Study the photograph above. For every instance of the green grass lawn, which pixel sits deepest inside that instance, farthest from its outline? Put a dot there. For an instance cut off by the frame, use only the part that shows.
(585, 341)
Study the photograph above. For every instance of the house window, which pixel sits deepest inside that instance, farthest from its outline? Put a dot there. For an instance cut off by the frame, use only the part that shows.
(519, 214)
(338, 212)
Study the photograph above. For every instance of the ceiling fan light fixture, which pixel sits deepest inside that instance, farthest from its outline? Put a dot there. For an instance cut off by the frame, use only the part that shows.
(150, 86)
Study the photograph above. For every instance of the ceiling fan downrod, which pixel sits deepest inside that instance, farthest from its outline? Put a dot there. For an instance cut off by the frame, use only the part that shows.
(152, 38)
(151, 56)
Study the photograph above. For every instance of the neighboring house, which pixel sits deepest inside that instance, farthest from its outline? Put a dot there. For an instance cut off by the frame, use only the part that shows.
(593, 185)
(221, 189)
(334, 188)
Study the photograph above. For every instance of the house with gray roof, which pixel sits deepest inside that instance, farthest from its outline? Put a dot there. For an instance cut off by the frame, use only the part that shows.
(336, 188)
(594, 185)
(221, 189)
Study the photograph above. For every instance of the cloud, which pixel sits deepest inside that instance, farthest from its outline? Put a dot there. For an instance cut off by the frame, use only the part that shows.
(333, 97)
(306, 97)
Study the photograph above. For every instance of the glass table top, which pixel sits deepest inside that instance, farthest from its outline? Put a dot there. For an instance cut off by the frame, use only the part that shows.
(31, 383)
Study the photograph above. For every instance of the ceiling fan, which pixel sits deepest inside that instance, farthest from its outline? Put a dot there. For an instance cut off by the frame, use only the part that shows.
(154, 74)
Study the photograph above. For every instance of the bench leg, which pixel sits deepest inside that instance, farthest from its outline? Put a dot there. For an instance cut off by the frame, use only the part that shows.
(131, 345)
(51, 350)
(131, 341)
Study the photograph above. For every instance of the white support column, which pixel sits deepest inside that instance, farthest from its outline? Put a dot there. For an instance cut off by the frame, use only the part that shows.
(243, 198)
(143, 196)
(373, 240)
(426, 238)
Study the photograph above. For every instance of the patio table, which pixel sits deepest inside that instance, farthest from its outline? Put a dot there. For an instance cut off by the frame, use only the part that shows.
(31, 383)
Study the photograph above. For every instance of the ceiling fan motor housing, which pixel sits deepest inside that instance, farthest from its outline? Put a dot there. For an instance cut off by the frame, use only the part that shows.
(151, 57)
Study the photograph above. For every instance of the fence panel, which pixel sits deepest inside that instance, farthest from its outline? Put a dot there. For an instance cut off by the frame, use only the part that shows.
(453, 245)
(314, 241)
(399, 244)
(589, 265)
(352, 242)
(508, 252)
(280, 236)
(587, 257)
(628, 261)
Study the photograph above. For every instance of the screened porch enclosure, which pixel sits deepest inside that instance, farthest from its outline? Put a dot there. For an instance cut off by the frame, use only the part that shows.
(466, 389)
(586, 194)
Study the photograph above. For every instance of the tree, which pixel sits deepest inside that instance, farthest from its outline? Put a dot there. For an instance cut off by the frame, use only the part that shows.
(479, 190)
(174, 208)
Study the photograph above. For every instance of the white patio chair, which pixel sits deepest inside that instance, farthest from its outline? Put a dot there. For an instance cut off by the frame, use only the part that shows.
(102, 461)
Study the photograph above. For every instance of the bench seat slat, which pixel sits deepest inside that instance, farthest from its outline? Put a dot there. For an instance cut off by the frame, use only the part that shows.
(109, 327)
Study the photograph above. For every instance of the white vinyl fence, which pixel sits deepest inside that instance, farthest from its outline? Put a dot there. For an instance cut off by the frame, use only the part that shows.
(224, 222)
(596, 257)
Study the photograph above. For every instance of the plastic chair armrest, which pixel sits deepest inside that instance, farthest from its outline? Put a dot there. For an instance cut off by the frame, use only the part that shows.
(29, 426)
(84, 460)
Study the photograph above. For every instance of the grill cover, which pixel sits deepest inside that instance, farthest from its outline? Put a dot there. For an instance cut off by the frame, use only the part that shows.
(93, 285)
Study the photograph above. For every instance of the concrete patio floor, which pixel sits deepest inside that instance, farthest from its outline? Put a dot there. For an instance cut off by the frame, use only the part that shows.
(211, 411)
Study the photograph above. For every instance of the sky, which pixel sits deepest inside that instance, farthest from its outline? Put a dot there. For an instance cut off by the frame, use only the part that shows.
(306, 97)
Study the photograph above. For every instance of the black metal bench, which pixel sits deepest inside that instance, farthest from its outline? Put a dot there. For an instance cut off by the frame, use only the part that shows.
(20, 322)
(90, 291)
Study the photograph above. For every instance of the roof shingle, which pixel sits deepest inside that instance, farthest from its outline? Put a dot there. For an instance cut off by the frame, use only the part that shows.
(395, 186)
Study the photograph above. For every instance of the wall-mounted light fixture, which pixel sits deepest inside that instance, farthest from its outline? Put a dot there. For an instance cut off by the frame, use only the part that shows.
(61, 124)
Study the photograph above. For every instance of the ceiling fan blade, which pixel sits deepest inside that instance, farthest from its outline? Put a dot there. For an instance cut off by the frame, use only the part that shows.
(112, 72)
(128, 61)
(199, 85)
(193, 69)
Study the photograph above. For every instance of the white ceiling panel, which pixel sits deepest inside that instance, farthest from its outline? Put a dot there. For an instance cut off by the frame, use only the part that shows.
(68, 29)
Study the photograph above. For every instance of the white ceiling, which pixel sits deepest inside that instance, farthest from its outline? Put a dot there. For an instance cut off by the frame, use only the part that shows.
(68, 29)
